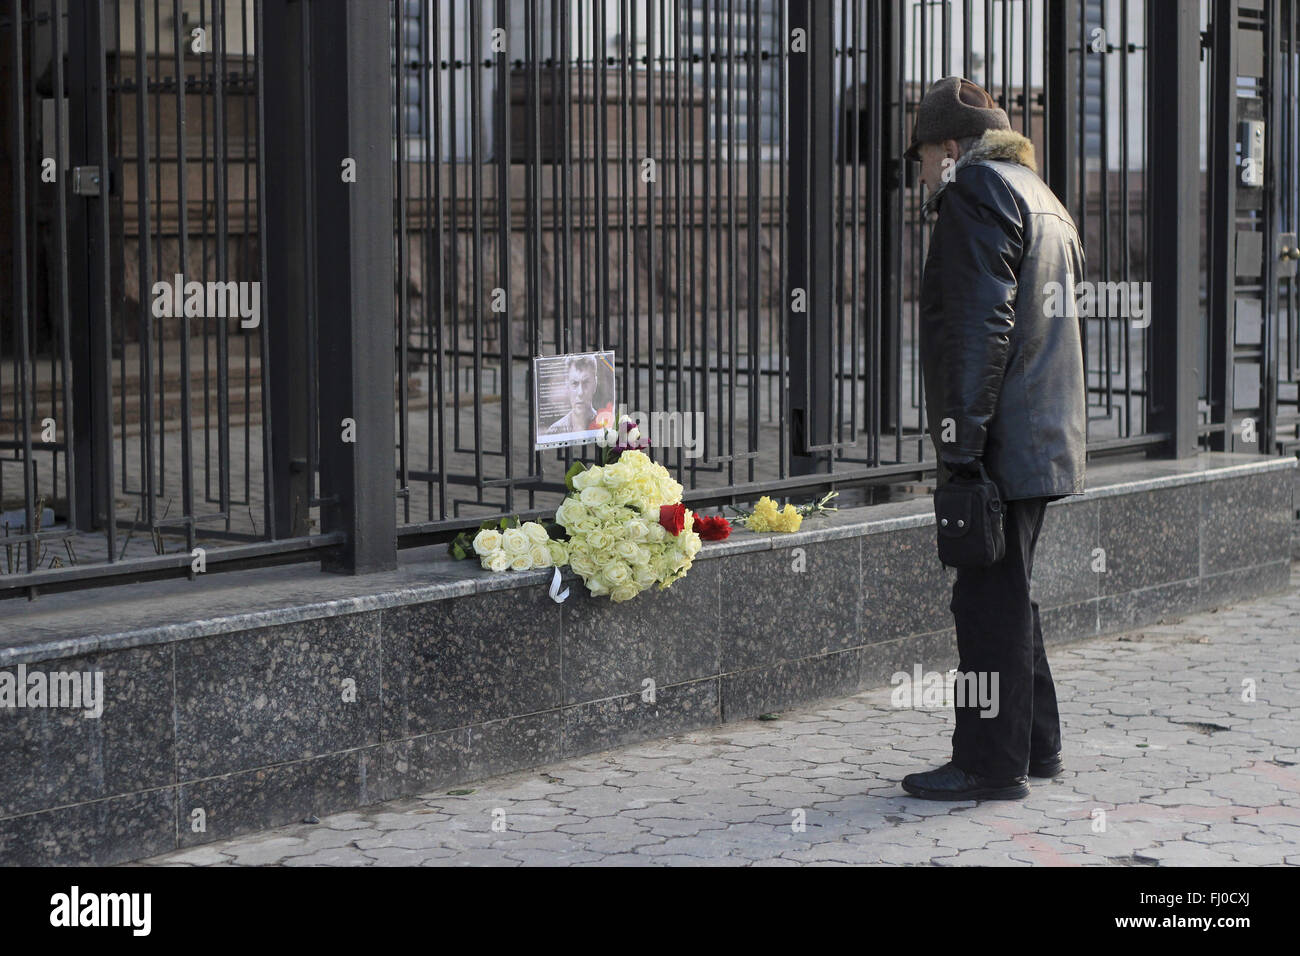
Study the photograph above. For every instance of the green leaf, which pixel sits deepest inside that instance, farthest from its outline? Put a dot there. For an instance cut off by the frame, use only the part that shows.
(459, 793)
(769, 716)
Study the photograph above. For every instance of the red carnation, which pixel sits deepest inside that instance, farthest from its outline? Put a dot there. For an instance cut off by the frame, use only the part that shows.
(673, 517)
(713, 527)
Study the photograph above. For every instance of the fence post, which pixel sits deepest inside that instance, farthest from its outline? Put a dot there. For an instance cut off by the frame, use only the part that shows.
(354, 238)
(285, 102)
(811, 243)
(1061, 113)
(91, 438)
(1173, 239)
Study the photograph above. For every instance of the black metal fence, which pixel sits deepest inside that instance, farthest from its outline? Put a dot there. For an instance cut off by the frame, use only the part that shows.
(536, 191)
(432, 192)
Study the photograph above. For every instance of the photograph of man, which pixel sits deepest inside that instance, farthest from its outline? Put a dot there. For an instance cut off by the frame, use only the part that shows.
(579, 388)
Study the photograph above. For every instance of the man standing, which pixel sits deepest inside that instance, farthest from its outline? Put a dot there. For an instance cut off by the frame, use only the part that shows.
(1004, 386)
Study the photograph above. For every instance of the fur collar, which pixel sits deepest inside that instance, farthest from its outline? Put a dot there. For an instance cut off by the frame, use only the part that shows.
(996, 145)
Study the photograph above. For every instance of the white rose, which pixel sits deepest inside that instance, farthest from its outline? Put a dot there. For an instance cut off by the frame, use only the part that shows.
(487, 541)
(540, 555)
(514, 541)
(598, 540)
(570, 512)
(498, 560)
(522, 562)
(617, 573)
(627, 550)
(595, 495)
(536, 533)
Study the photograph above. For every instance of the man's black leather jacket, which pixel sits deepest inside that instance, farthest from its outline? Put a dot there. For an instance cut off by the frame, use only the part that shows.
(1003, 369)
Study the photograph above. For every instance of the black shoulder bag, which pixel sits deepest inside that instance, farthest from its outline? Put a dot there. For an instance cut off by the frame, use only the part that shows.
(968, 515)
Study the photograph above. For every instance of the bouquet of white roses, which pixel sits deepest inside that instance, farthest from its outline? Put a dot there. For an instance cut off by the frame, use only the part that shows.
(627, 527)
(510, 546)
(622, 528)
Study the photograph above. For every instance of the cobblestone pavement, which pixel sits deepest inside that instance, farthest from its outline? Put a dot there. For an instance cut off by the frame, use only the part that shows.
(1168, 763)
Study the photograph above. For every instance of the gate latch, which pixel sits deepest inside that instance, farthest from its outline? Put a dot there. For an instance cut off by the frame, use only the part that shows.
(86, 180)
(1288, 254)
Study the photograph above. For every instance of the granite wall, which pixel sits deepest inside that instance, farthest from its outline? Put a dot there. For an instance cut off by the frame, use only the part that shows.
(228, 721)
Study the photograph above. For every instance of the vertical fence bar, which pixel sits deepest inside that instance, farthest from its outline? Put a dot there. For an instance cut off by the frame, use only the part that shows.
(504, 225)
(354, 237)
(1173, 39)
(72, 465)
(1062, 108)
(401, 252)
(812, 234)
(25, 378)
(284, 244)
(182, 241)
(92, 355)
(1274, 222)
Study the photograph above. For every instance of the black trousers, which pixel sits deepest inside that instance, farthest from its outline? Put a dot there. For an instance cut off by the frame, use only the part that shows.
(1000, 643)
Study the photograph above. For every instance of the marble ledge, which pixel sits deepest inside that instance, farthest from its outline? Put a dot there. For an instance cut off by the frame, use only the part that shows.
(67, 625)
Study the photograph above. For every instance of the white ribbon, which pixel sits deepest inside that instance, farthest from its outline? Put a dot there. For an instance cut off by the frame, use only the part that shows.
(557, 595)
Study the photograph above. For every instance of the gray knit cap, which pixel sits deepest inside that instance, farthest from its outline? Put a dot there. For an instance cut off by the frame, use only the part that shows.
(954, 108)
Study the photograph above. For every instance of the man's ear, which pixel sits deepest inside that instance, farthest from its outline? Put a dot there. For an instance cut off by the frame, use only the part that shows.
(951, 150)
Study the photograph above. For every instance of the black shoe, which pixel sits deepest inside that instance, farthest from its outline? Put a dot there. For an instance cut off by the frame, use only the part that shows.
(950, 782)
(1046, 768)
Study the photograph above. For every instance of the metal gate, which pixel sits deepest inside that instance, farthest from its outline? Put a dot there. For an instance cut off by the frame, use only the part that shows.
(136, 421)
(1252, 350)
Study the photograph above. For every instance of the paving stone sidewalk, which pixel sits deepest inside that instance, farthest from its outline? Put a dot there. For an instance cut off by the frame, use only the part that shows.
(1167, 764)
